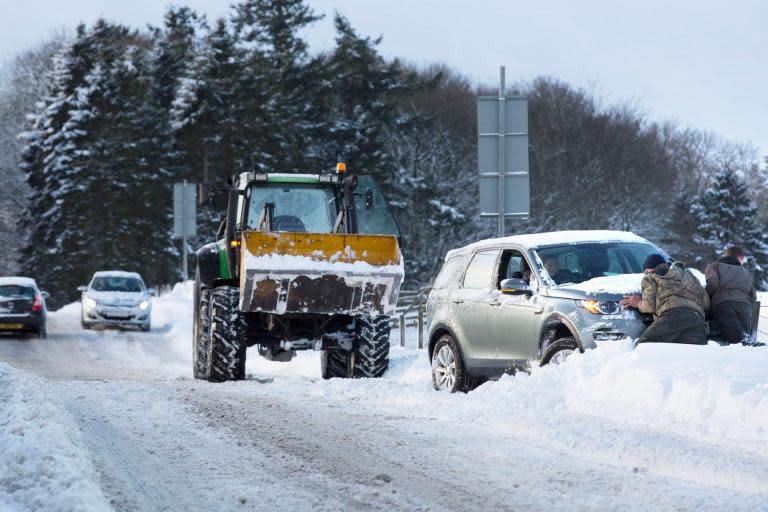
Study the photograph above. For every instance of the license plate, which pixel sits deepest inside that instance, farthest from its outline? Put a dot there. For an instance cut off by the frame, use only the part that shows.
(117, 313)
(12, 327)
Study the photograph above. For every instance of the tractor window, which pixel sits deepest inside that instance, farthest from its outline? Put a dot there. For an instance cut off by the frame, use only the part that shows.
(297, 209)
(377, 219)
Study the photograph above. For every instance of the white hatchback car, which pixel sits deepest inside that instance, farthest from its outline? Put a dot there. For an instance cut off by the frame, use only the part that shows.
(116, 298)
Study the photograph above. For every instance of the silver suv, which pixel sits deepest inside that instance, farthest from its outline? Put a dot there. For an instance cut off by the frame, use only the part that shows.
(500, 304)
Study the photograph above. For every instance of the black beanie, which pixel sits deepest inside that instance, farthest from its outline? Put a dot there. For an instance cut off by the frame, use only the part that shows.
(653, 261)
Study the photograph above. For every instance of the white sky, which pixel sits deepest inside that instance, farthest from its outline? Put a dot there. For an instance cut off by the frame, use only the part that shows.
(701, 63)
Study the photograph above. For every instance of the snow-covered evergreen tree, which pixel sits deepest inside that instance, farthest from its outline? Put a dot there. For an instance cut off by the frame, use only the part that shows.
(725, 216)
(54, 159)
(100, 192)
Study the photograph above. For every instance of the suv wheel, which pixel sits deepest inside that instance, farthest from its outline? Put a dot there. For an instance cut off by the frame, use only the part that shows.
(448, 372)
(559, 350)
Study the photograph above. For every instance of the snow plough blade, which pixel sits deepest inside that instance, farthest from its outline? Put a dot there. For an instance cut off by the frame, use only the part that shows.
(319, 273)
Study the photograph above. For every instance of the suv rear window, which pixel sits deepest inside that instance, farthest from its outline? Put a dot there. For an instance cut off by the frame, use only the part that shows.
(480, 270)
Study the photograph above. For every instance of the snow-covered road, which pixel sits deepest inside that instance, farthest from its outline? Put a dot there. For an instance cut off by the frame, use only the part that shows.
(113, 420)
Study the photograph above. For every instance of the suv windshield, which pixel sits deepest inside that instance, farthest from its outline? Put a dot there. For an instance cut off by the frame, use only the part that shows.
(297, 208)
(575, 263)
(116, 284)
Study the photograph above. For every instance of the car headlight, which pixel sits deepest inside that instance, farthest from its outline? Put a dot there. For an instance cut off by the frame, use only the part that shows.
(89, 302)
(143, 305)
(600, 307)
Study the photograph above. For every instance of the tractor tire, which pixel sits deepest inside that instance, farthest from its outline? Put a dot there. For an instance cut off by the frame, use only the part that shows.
(369, 357)
(227, 336)
(201, 330)
(334, 364)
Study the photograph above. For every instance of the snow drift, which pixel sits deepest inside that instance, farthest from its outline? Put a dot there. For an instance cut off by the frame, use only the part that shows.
(696, 413)
(43, 465)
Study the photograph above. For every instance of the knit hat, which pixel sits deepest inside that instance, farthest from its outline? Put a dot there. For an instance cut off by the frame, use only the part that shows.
(653, 261)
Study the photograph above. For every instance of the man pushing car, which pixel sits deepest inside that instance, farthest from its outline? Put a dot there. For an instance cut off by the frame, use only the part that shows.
(677, 300)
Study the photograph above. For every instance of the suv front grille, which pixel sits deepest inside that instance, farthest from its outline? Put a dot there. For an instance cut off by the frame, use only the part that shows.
(606, 335)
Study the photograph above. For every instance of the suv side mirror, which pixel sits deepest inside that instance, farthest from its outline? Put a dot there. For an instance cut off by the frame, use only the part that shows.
(514, 286)
(45, 294)
(82, 289)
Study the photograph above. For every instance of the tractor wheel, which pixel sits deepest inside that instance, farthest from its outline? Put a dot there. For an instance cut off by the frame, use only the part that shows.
(227, 332)
(369, 357)
(201, 330)
(334, 364)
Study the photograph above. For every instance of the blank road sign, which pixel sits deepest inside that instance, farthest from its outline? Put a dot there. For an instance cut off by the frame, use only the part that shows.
(515, 163)
(516, 195)
(184, 210)
(515, 114)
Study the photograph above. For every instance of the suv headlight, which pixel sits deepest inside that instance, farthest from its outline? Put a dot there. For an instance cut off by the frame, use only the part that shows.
(143, 305)
(89, 302)
(600, 307)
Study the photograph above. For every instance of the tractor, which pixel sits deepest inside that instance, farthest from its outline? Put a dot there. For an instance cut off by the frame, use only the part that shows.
(300, 262)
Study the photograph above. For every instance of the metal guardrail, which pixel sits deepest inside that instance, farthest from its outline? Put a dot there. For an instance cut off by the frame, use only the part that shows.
(762, 324)
(410, 311)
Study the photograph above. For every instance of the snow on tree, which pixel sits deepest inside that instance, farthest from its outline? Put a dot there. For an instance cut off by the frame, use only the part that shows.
(24, 80)
(726, 215)
(92, 159)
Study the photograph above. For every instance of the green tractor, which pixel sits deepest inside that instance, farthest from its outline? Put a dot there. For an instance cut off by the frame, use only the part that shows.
(302, 262)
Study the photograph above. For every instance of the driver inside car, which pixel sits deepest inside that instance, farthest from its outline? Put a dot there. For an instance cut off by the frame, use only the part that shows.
(557, 274)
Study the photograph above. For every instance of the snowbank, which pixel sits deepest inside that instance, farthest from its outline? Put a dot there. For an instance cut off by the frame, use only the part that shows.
(43, 465)
(694, 413)
(698, 413)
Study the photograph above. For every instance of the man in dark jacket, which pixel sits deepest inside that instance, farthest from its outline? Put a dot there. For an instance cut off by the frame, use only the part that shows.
(731, 289)
(677, 300)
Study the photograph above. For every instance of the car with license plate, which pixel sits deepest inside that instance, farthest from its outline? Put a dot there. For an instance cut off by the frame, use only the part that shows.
(22, 306)
(502, 304)
(116, 299)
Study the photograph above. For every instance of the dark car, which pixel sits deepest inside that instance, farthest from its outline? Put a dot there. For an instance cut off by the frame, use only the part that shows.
(22, 306)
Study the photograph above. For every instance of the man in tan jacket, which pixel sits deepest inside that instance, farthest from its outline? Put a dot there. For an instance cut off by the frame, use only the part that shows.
(677, 300)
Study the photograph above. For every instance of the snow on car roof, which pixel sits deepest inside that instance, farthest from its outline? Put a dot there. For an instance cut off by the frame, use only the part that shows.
(552, 238)
(116, 273)
(18, 281)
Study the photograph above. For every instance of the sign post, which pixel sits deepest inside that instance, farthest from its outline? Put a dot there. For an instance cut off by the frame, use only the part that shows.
(502, 156)
(184, 218)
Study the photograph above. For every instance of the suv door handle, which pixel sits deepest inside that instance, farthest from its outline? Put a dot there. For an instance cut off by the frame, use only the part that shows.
(458, 301)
